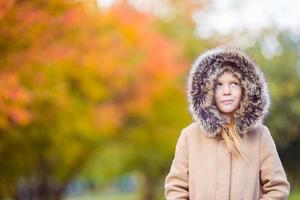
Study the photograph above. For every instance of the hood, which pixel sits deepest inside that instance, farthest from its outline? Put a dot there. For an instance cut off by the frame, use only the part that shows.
(255, 100)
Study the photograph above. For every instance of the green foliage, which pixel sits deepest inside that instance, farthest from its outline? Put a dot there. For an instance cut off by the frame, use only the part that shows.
(283, 76)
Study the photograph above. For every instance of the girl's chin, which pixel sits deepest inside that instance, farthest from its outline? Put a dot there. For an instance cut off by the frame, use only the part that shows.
(227, 111)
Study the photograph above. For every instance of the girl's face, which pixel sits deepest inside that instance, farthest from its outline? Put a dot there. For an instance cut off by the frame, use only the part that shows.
(228, 93)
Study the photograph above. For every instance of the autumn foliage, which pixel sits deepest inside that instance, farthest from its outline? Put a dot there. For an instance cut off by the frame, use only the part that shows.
(69, 80)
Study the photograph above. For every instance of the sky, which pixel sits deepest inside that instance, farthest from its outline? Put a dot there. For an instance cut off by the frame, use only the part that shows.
(232, 17)
(227, 16)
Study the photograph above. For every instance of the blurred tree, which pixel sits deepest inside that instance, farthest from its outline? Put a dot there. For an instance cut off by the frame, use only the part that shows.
(282, 72)
(71, 79)
(283, 76)
(147, 145)
(149, 136)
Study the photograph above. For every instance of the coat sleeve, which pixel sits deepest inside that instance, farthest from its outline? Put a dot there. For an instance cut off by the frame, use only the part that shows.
(272, 175)
(177, 180)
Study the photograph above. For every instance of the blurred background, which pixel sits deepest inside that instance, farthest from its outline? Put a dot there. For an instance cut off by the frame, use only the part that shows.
(92, 93)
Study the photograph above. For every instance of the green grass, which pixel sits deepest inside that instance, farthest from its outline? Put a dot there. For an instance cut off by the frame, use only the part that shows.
(132, 196)
(105, 196)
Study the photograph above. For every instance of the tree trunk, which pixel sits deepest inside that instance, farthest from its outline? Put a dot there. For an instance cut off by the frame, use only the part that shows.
(42, 189)
(150, 187)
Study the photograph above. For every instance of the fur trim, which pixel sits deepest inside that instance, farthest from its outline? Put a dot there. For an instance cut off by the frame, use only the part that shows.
(255, 101)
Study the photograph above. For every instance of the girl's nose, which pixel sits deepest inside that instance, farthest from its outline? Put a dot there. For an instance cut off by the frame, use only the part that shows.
(226, 89)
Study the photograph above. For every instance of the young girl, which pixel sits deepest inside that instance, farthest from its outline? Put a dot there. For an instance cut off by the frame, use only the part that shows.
(227, 153)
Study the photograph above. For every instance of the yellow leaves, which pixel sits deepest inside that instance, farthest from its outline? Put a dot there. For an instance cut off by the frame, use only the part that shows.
(87, 74)
(117, 57)
(295, 106)
(289, 88)
(129, 34)
(285, 89)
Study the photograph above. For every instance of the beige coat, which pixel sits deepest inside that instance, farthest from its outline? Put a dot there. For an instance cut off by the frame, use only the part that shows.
(203, 168)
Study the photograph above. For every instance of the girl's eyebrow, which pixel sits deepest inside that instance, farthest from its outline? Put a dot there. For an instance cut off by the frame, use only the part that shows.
(236, 81)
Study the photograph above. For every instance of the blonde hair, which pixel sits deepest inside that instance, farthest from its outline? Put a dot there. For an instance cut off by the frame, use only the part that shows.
(230, 133)
(233, 140)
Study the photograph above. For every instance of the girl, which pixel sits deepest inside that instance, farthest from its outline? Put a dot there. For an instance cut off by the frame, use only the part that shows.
(227, 153)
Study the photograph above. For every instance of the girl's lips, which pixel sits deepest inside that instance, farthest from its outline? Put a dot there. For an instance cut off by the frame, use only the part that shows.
(227, 102)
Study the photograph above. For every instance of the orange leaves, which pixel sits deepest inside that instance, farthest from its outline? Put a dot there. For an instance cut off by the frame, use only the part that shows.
(117, 57)
(76, 78)
(108, 118)
(139, 59)
(13, 101)
(5, 5)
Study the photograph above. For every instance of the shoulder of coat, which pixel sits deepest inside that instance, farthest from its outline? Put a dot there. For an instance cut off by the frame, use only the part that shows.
(257, 130)
(265, 130)
(194, 128)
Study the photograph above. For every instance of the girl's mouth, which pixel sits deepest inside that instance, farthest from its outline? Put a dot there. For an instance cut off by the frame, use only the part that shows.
(227, 102)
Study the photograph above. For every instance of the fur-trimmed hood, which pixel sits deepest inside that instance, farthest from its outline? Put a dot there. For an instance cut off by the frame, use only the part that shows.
(255, 101)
